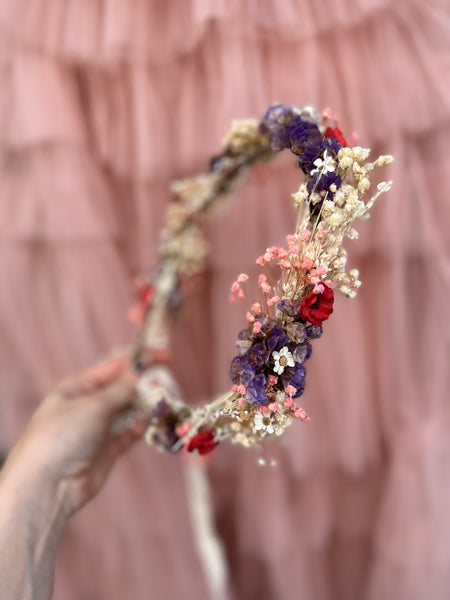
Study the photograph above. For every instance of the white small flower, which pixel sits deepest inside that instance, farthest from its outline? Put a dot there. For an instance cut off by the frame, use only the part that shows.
(325, 165)
(345, 163)
(384, 160)
(328, 208)
(336, 219)
(384, 186)
(282, 359)
(363, 185)
(263, 423)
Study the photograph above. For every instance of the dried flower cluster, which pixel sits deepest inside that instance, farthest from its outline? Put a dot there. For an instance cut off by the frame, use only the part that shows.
(268, 373)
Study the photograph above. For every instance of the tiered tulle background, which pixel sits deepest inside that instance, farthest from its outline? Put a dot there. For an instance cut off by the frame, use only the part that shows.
(102, 103)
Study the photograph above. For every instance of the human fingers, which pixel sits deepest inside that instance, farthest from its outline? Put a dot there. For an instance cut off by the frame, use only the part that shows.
(92, 378)
(113, 449)
(120, 444)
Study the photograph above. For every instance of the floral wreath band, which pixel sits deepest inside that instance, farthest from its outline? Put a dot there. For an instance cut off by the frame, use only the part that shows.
(268, 373)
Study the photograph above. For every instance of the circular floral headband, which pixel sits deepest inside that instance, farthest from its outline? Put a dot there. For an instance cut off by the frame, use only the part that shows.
(268, 373)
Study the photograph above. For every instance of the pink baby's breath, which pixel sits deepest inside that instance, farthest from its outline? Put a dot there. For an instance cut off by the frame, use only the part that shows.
(256, 308)
(182, 429)
(291, 240)
(257, 327)
(300, 414)
(273, 300)
(290, 390)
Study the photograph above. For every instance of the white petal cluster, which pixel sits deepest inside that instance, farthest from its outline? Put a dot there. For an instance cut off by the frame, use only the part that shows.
(282, 359)
(324, 165)
(271, 423)
(264, 423)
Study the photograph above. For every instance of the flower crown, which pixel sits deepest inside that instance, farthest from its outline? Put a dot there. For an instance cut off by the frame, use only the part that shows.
(268, 373)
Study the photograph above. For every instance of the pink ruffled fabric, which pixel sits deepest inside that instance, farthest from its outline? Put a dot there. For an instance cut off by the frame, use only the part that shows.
(102, 103)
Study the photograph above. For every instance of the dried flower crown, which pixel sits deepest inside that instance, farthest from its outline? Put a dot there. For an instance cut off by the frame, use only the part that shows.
(268, 373)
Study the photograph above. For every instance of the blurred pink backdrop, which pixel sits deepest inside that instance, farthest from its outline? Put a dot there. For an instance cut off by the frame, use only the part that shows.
(102, 103)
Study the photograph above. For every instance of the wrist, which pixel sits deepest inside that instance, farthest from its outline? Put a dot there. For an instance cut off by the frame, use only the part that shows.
(32, 520)
(33, 491)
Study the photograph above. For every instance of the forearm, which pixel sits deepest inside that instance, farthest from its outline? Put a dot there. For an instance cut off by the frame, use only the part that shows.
(58, 464)
(32, 519)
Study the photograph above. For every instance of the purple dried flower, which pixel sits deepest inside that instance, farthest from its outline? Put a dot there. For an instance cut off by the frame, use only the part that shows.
(244, 345)
(236, 369)
(296, 331)
(331, 145)
(304, 136)
(215, 164)
(289, 308)
(175, 298)
(162, 425)
(277, 338)
(256, 389)
(302, 352)
(275, 123)
(257, 355)
(165, 438)
(314, 331)
(255, 363)
(295, 377)
(244, 367)
(322, 181)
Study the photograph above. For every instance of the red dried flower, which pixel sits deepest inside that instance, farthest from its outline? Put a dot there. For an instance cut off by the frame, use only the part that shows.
(316, 308)
(337, 134)
(145, 293)
(203, 442)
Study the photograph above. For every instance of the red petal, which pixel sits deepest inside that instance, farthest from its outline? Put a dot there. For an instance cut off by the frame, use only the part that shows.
(337, 134)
